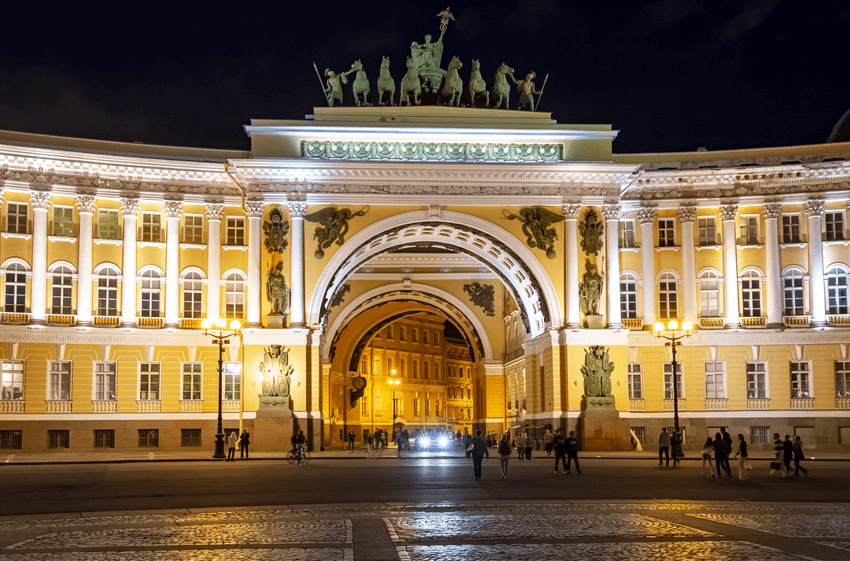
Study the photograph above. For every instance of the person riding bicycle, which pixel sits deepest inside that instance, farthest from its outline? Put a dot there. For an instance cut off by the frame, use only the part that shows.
(300, 442)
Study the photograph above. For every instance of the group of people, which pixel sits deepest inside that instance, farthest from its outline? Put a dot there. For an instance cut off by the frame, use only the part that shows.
(564, 448)
(232, 442)
(787, 451)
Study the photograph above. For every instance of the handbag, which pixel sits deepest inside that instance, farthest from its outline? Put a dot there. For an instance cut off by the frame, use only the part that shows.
(775, 465)
(748, 465)
(470, 448)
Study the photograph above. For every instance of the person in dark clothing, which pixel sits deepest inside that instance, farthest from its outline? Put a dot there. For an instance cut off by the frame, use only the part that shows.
(559, 445)
(799, 456)
(743, 460)
(721, 456)
(727, 438)
(572, 451)
(675, 442)
(479, 450)
(663, 446)
(787, 453)
(244, 441)
(467, 442)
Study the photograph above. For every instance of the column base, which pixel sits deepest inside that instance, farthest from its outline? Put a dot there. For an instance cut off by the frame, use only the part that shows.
(732, 326)
(615, 326)
(297, 325)
(83, 323)
(775, 325)
(574, 325)
(253, 325)
(819, 324)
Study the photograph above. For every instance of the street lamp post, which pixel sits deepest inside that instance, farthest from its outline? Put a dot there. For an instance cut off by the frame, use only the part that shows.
(674, 341)
(393, 382)
(221, 326)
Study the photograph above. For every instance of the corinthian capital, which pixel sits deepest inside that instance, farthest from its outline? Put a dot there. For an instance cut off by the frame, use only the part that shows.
(255, 208)
(214, 211)
(772, 210)
(814, 207)
(40, 199)
(297, 209)
(728, 212)
(571, 211)
(86, 203)
(611, 212)
(687, 213)
(173, 209)
(646, 215)
(129, 206)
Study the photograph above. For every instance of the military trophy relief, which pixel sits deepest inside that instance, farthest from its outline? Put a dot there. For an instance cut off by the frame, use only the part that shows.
(482, 296)
(276, 392)
(589, 296)
(277, 293)
(333, 226)
(536, 224)
(592, 232)
(426, 83)
(597, 371)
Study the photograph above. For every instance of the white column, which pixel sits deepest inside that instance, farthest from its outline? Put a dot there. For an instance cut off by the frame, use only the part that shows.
(814, 210)
(38, 302)
(86, 205)
(646, 216)
(128, 292)
(571, 212)
(297, 210)
(173, 209)
(214, 214)
(611, 213)
(687, 215)
(773, 288)
(254, 209)
(728, 214)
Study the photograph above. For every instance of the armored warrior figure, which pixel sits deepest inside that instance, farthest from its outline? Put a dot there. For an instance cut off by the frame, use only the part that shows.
(276, 290)
(526, 90)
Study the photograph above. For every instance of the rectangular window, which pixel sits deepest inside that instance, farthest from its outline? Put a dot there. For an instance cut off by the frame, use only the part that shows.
(414, 336)
(149, 381)
(800, 379)
(425, 371)
(415, 368)
(842, 378)
(626, 233)
(235, 230)
(12, 379)
(791, 228)
(402, 334)
(640, 433)
(635, 381)
(834, 226)
(61, 282)
(148, 438)
(751, 295)
(389, 332)
(191, 381)
(60, 381)
(190, 438)
(668, 299)
(107, 224)
(364, 408)
(749, 230)
(436, 338)
(193, 229)
(793, 289)
(10, 439)
(58, 439)
(232, 381)
(16, 218)
(715, 380)
(666, 232)
(104, 381)
(402, 368)
(424, 337)
(104, 438)
(151, 227)
(756, 380)
(759, 435)
(415, 406)
(427, 407)
(707, 231)
(63, 221)
(668, 380)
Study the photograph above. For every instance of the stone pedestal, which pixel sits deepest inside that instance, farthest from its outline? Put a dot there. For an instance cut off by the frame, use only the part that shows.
(600, 426)
(595, 321)
(273, 426)
(275, 321)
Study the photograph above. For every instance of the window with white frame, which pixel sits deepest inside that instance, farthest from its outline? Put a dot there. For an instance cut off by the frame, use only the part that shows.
(842, 378)
(150, 294)
(800, 379)
(16, 289)
(635, 381)
(61, 283)
(668, 380)
(791, 228)
(16, 218)
(666, 232)
(12, 379)
(63, 221)
(191, 381)
(668, 296)
(749, 229)
(715, 380)
(709, 294)
(792, 285)
(626, 233)
(234, 296)
(59, 388)
(107, 224)
(628, 295)
(193, 295)
(836, 290)
(107, 292)
(232, 381)
(707, 230)
(104, 381)
(235, 230)
(149, 378)
(151, 226)
(193, 229)
(751, 294)
(756, 380)
(834, 226)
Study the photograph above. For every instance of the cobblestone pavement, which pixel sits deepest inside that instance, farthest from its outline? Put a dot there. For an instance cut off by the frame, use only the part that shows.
(497, 531)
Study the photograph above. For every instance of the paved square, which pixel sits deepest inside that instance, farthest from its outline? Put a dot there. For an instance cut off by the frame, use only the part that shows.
(791, 525)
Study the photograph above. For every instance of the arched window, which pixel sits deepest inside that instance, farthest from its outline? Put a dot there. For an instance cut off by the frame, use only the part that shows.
(16, 289)
(628, 295)
(234, 294)
(668, 297)
(61, 286)
(709, 294)
(107, 292)
(793, 288)
(150, 294)
(751, 293)
(193, 295)
(836, 289)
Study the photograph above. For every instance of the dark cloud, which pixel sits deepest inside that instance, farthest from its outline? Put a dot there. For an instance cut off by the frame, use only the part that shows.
(753, 14)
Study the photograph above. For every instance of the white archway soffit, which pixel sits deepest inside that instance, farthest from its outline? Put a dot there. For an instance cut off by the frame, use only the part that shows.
(505, 254)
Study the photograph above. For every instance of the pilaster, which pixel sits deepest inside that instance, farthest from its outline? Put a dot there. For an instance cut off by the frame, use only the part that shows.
(297, 210)
(214, 213)
(728, 214)
(646, 217)
(773, 290)
(86, 205)
(571, 212)
(814, 211)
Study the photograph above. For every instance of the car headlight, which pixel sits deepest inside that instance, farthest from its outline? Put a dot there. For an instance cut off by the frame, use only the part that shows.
(443, 442)
(425, 441)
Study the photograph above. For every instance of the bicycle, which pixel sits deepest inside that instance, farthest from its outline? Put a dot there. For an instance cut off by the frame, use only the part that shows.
(298, 455)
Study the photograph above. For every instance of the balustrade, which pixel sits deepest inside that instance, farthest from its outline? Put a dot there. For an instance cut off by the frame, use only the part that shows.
(842, 402)
(754, 321)
(192, 406)
(149, 406)
(58, 407)
(16, 406)
(637, 405)
(802, 403)
(796, 321)
(758, 403)
(668, 404)
(99, 406)
(715, 404)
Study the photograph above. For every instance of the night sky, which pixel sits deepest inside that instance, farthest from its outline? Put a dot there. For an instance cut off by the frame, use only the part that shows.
(670, 75)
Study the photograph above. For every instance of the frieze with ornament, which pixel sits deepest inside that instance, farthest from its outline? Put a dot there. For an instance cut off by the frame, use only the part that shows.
(431, 151)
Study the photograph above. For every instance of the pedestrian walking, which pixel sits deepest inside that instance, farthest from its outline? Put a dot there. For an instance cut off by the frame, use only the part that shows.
(707, 451)
(519, 444)
(799, 456)
(778, 451)
(559, 446)
(675, 443)
(370, 443)
(572, 451)
(663, 446)
(351, 437)
(479, 449)
(727, 438)
(743, 461)
(721, 455)
(787, 453)
(467, 442)
(231, 447)
(547, 442)
(504, 455)
(244, 441)
(529, 446)
(489, 440)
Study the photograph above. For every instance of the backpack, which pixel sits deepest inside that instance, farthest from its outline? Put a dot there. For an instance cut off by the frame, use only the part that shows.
(505, 448)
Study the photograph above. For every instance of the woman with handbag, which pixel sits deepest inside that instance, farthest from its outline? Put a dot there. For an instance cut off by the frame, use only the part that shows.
(743, 461)
(779, 451)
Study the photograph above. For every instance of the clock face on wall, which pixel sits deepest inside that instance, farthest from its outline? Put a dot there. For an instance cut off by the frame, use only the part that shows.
(359, 383)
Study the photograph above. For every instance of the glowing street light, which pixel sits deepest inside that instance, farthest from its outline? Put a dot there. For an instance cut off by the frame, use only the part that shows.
(673, 341)
(220, 325)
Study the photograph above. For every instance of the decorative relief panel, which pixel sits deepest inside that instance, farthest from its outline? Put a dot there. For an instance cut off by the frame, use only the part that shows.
(431, 151)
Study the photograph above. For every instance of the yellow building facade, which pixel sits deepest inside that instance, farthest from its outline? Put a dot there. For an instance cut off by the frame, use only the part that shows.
(406, 221)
